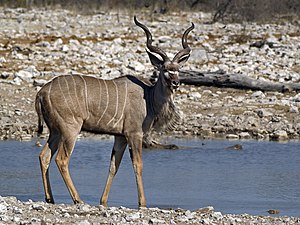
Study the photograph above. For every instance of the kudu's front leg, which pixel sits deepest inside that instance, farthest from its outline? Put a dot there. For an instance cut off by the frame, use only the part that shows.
(116, 158)
(135, 147)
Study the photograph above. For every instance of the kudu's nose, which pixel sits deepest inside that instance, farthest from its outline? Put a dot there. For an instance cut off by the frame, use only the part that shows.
(173, 78)
(175, 83)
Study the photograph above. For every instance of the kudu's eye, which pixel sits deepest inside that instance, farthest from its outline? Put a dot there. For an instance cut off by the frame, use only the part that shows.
(166, 72)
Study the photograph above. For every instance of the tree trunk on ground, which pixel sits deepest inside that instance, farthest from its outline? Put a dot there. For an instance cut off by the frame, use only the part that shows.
(238, 81)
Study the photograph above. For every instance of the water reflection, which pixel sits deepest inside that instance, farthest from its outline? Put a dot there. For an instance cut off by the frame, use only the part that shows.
(261, 176)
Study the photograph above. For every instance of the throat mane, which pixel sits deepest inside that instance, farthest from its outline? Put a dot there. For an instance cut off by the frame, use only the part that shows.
(168, 118)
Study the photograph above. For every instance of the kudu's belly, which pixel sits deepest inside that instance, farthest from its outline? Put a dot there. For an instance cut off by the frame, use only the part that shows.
(104, 124)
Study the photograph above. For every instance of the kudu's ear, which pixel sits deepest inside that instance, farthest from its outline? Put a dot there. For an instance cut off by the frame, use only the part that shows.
(156, 62)
(183, 59)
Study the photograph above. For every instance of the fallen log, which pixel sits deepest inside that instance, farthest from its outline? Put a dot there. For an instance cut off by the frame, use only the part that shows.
(238, 81)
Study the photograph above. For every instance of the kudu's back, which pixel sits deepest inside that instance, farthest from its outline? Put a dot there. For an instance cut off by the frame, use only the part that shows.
(101, 106)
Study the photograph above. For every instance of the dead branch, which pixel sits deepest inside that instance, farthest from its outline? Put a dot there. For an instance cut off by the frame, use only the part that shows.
(238, 81)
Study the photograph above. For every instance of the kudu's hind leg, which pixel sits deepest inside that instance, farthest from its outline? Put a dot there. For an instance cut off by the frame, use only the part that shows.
(62, 159)
(45, 158)
(116, 158)
(135, 148)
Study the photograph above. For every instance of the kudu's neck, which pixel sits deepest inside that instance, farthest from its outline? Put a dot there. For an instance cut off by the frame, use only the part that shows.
(161, 94)
(164, 114)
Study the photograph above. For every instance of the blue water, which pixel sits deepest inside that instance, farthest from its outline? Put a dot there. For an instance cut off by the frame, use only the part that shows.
(262, 176)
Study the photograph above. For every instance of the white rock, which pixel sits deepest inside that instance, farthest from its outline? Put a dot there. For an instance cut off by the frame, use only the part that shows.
(2, 60)
(38, 206)
(194, 95)
(296, 98)
(74, 42)
(3, 208)
(137, 66)
(5, 75)
(133, 216)
(84, 222)
(84, 207)
(258, 94)
(16, 219)
(189, 215)
(232, 136)
(208, 92)
(39, 82)
(206, 221)
(58, 43)
(294, 109)
(217, 215)
(164, 39)
(27, 74)
(44, 44)
(4, 218)
(280, 135)
(65, 48)
(244, 135)
(17, 81)
(20, 56)
(157, 221)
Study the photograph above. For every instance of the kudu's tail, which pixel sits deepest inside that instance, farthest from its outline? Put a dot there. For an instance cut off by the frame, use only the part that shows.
(38, 108)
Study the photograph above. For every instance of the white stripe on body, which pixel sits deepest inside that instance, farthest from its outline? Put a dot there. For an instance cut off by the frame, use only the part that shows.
(107, 101)
(100, 95)
(66, 102)
(117, 103)
(71, 97)
(49, 91)
(79, 105)
(122, 113)
(86, 97)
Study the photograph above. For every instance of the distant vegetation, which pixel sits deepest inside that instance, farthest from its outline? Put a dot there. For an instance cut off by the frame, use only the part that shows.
(224, 10)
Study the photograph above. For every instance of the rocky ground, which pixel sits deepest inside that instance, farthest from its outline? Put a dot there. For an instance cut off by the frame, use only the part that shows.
(13, 211)
(36, 45)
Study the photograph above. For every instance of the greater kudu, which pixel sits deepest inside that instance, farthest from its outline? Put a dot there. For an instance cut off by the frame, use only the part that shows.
(125, 107)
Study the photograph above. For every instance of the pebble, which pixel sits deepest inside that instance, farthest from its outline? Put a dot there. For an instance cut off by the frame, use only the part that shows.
(280, 135)
(244, 135)
(294, 109)
(232, 136)
(136, 66)
(258, 94)
(194, 95)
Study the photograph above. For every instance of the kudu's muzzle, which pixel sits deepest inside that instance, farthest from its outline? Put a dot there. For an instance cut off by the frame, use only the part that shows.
(174, 79)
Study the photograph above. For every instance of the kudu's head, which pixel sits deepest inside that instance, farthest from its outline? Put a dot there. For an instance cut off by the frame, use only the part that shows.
(169, 69)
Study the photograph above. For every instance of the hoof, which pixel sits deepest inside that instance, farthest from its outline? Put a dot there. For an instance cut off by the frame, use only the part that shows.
(50, 201)
(78, 202)
(141, 207)
(104, 204)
